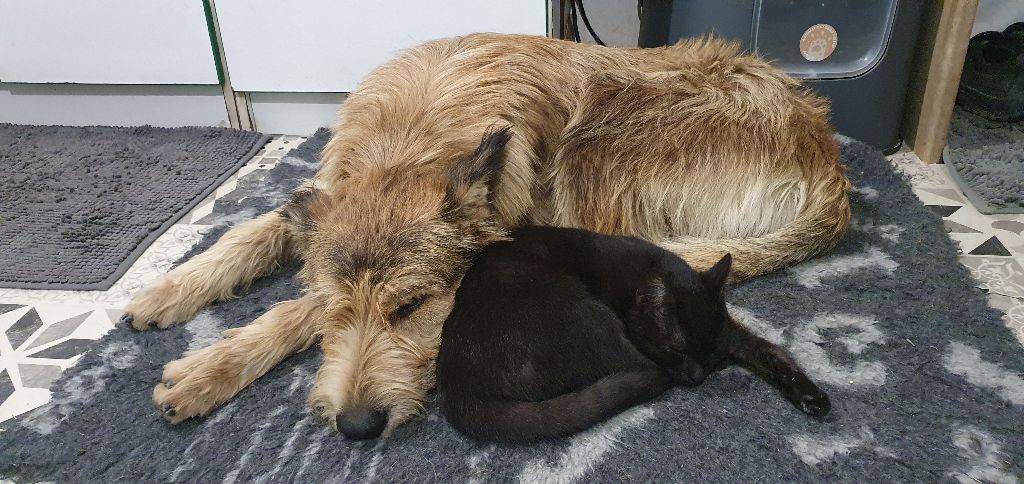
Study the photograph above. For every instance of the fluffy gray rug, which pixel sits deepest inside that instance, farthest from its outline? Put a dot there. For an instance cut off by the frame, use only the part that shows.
(987, 158)
(79, 205)
(925, 384)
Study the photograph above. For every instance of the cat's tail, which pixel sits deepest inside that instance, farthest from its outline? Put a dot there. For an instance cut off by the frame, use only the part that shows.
(818, 226)
(519, 422)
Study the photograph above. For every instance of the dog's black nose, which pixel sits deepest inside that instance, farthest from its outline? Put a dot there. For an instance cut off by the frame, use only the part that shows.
(361, 423)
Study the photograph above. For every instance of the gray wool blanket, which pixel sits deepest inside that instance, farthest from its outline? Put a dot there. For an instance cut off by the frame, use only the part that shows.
(925, 384)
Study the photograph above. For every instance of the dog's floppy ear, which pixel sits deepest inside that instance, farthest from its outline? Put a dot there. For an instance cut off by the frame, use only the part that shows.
(303, 206)
(472, 180)
(715, 277)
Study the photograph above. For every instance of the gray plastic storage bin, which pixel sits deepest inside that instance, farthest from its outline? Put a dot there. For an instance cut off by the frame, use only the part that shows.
(858, 53)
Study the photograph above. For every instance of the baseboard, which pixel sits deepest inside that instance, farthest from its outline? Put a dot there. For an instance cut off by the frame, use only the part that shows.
(112, 105)
(298, 113)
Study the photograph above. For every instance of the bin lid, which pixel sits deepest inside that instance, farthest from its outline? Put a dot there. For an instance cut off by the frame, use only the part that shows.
(823, 39)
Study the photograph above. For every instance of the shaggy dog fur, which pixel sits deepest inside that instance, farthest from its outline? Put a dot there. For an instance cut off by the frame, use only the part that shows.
(694, 147)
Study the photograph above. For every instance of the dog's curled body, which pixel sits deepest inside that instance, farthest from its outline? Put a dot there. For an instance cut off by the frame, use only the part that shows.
(622, 141)
(694, 147)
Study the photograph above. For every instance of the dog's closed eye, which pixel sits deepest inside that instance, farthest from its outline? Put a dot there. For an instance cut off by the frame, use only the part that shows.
(405, 310)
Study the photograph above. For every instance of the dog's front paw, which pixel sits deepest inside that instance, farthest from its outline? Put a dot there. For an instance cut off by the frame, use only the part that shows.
(195, 385)
(161, 305)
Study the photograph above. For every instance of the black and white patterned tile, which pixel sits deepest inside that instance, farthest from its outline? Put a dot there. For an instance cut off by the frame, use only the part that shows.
(38, 342)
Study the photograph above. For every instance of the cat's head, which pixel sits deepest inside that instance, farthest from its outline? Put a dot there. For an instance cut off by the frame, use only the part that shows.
(678, 316)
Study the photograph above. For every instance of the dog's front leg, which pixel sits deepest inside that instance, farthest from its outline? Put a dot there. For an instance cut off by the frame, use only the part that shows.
(204, 379)
(246, 252)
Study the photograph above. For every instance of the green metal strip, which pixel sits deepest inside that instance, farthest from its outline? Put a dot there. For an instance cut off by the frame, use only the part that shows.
(208, 8)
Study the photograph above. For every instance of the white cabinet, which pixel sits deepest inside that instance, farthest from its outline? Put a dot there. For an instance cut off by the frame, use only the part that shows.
(130, 62)
(105, 42)
(330, 45)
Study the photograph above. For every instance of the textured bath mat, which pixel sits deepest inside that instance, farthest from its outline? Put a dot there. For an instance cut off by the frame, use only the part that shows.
(79, 205)
(987, 161)
(925, 382)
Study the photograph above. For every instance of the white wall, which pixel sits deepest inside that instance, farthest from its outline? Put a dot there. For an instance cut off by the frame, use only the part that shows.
(105, 42)
(330, 45)
(615, 21)
(997, 14)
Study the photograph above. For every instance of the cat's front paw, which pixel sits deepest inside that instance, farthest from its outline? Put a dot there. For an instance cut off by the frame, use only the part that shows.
(814, 402)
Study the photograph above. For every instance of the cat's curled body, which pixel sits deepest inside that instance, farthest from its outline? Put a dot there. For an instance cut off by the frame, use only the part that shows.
(559, 329)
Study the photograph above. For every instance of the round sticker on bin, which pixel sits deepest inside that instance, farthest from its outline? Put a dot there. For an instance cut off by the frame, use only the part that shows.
(818, 42)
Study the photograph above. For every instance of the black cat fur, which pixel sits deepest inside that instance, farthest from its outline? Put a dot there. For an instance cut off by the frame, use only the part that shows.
(559, 329)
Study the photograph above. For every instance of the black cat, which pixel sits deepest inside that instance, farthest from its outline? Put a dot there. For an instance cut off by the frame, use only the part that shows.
(559, 329)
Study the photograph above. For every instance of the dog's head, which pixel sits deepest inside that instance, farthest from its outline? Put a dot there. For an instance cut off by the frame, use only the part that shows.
(384, 254)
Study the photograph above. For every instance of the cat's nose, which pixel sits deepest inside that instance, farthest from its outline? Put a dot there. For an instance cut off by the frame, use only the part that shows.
(362, 423)
(696, 373)
(689, 373)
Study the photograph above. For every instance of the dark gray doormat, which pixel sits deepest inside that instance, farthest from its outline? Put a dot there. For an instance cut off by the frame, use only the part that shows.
(987, 161)
(79, 205)
(925, 384)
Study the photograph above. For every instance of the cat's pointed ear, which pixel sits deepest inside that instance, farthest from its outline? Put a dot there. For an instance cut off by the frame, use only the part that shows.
(716, 276)
(472, 180)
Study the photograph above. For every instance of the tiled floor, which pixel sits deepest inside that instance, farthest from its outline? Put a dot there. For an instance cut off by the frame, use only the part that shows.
(45, 332)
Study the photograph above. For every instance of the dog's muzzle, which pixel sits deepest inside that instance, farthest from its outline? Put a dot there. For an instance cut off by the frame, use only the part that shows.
(361, 423)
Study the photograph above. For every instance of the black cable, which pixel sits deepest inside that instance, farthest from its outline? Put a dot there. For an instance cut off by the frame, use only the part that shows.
(586, 22)
(574, 29)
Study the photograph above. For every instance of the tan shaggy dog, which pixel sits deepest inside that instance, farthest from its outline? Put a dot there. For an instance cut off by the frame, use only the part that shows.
(694, 146)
